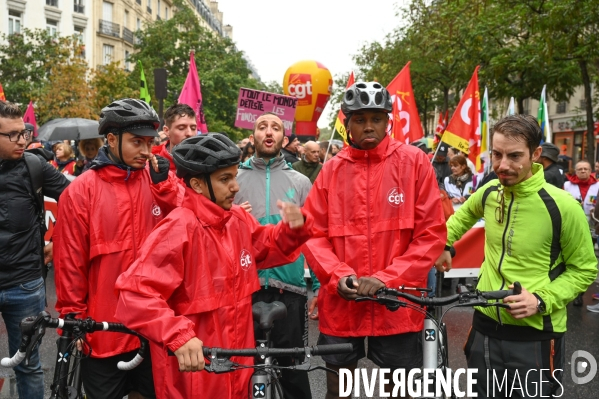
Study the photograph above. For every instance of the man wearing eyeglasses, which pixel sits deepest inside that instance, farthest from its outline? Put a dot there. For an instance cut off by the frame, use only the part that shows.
(538, 235)
(22, 254)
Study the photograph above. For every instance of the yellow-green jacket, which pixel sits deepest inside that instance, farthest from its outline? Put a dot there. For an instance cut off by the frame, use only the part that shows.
(544, 243)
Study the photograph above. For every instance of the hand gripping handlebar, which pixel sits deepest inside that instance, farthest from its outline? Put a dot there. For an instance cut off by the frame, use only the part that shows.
(464, 297)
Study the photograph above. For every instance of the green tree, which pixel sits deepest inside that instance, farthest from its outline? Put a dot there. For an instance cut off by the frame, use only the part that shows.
(272, 87)
(111, 82)
(26, 60)
(571, 35)
(446, 39)
(221, 67)
(67, 93)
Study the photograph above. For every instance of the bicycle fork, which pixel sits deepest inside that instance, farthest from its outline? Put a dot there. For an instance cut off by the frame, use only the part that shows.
(432, 341)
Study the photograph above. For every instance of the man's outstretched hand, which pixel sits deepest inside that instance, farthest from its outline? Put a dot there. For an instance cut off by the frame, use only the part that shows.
(291, 214)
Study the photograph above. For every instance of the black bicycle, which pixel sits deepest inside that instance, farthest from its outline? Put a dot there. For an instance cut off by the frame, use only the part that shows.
(266, 370)
(434, 340)
(67, 373)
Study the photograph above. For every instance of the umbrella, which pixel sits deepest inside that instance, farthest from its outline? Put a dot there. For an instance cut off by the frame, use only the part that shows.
(428, 142)
(69, 129)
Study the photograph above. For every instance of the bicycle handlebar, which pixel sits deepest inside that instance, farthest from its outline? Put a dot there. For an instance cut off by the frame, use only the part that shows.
(465, 297)
(33, 329)
(219, 361)
(317, 350)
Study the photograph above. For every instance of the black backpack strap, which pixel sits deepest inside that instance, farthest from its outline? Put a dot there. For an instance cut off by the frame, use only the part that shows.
(36, 174)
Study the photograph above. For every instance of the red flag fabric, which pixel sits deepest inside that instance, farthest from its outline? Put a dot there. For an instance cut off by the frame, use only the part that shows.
(2, 96)
(192, 95)
(29, 117)
(463, 129)
(339, 125)
(440, 125)
(406, 121)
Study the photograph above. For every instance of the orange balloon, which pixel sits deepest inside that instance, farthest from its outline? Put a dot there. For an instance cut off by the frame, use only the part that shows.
(310, 82)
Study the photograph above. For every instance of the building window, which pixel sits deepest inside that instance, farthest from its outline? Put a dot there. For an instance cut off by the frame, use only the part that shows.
(107, 54)
(107, 11)
(79, 6)
(80, 33)
(138, 2)
(52, 27)
(53, 3)
(14, 22)
(165, 12)
(138, 26)
(583, 104)
(126, 19)
(561, 107)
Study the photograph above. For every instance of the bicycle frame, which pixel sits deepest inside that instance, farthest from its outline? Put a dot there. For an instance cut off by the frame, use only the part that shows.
(61, 388)
(264, 375)
(67, 376)
(434, 342)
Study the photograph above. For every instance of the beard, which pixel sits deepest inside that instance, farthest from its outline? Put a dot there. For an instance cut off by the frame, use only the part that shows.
(263, 151)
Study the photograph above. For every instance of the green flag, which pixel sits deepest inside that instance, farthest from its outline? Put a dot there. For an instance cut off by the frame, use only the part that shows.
(144, 94)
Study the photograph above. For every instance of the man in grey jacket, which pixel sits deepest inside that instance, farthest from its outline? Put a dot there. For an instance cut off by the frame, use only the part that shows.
(264, 179)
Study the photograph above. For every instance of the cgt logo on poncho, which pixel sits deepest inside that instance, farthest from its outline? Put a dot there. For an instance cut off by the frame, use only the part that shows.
(395, 197)
(156, 211)
(245, 259)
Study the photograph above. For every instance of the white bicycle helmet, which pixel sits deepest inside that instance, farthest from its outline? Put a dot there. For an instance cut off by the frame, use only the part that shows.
(366, 95)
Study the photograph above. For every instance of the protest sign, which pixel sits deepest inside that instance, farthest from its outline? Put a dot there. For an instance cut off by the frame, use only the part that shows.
(253, 103)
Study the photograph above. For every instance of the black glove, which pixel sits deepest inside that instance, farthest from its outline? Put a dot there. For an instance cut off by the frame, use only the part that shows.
(163, 168)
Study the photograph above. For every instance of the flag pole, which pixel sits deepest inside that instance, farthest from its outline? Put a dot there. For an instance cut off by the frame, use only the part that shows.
(329, 146)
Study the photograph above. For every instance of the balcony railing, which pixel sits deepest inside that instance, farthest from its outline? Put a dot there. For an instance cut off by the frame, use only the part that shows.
(128, 35)
(79, 8)
(109, 28)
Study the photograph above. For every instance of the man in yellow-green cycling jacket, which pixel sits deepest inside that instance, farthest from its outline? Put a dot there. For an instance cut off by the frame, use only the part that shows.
(535, 234)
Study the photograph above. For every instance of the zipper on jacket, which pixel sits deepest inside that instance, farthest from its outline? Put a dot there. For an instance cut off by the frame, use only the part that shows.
(132, 220)
(267, 215)
(505, 230)
(369, 237)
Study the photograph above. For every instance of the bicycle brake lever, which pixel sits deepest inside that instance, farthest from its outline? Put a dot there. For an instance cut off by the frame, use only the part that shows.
(38, 329)
(389, 304)
(219, 365)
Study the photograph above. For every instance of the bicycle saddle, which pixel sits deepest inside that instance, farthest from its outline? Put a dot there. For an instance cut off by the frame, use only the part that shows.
(266, 313)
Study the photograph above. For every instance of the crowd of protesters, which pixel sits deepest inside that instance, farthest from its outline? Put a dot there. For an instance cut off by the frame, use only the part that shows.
(176, 234)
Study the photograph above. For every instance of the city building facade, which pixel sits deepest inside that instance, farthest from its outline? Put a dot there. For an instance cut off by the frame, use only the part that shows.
(106, 27)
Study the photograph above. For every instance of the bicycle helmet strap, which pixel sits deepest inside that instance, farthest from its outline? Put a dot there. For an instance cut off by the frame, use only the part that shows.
(209, 184)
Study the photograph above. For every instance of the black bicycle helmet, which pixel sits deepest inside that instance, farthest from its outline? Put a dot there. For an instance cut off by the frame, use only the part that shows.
(204, 154)
(129, 113)
(366, 95)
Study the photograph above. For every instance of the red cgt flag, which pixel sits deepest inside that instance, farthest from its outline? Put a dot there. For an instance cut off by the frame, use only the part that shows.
(406, 121)
(2, 96)
(440, 125)
(463, 129)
